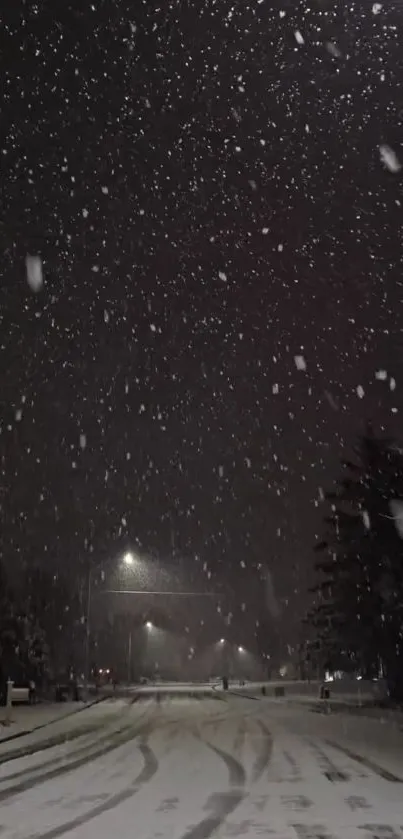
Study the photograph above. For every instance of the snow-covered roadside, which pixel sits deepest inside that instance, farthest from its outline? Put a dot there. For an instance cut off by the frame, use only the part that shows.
(349, 705)
(31, 724)
(378, 740)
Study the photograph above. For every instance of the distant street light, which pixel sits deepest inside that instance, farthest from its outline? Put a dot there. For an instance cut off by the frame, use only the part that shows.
(241, 650)
(130, 559)
(222, 640)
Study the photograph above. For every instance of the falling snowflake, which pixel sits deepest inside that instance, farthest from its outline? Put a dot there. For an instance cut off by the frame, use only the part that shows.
(265, 231)
(381, 375)
(222, 276)
(360, 392)
(392, 384)
(34, 272)
(300, 362)
(331, 400)
(83, 441)
(396, 508)
(275, 389)
(366, 519)
(221, 471)
(333, 49)
(18, 415)
(389, 158)
(376, 8)
(298, 37)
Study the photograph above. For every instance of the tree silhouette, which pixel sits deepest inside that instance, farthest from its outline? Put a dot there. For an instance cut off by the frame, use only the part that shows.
(358, 606)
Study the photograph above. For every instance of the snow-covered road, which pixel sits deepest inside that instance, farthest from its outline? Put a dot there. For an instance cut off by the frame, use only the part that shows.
(193, 768)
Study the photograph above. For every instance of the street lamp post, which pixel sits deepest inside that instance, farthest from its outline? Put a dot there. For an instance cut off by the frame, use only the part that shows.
(129, 659)
(128, 560)
(88, 626)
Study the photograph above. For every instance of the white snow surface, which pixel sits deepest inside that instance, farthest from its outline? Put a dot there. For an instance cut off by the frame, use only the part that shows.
(193, 768)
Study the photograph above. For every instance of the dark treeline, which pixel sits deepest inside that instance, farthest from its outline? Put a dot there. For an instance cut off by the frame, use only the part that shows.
(39, 625)
(357, 613)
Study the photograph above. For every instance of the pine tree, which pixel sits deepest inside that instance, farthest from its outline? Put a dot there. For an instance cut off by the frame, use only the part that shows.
(51, 606)
(17, 650)
(358, 609)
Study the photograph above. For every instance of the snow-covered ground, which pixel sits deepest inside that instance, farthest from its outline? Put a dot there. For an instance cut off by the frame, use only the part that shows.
(25, 718)
(199, 767)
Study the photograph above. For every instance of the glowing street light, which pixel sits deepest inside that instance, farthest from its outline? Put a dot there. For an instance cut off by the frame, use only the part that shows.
(128, 558)
(149, 625)
(222, 640)
(241, 650)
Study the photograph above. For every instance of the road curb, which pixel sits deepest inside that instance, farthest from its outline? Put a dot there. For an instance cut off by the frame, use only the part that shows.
(43, 725)
(243, 695)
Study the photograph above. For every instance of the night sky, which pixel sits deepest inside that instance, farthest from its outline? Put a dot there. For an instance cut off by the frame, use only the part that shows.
(204, 184)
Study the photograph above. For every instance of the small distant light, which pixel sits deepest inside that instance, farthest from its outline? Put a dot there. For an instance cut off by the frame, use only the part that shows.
(128, 558)
(149, 625)
(240, 649)
(222, 640)
(100, 672)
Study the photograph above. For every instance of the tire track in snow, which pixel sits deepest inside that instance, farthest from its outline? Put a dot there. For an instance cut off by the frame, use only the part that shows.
(293, 765)
(62, 737)
(236, 772)
(328, 767)
(148, 771)
(223, 803)
(50, 743)
(367, 762)
(240, 735)
(90, 742)
(264, 755)
(129, 733)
